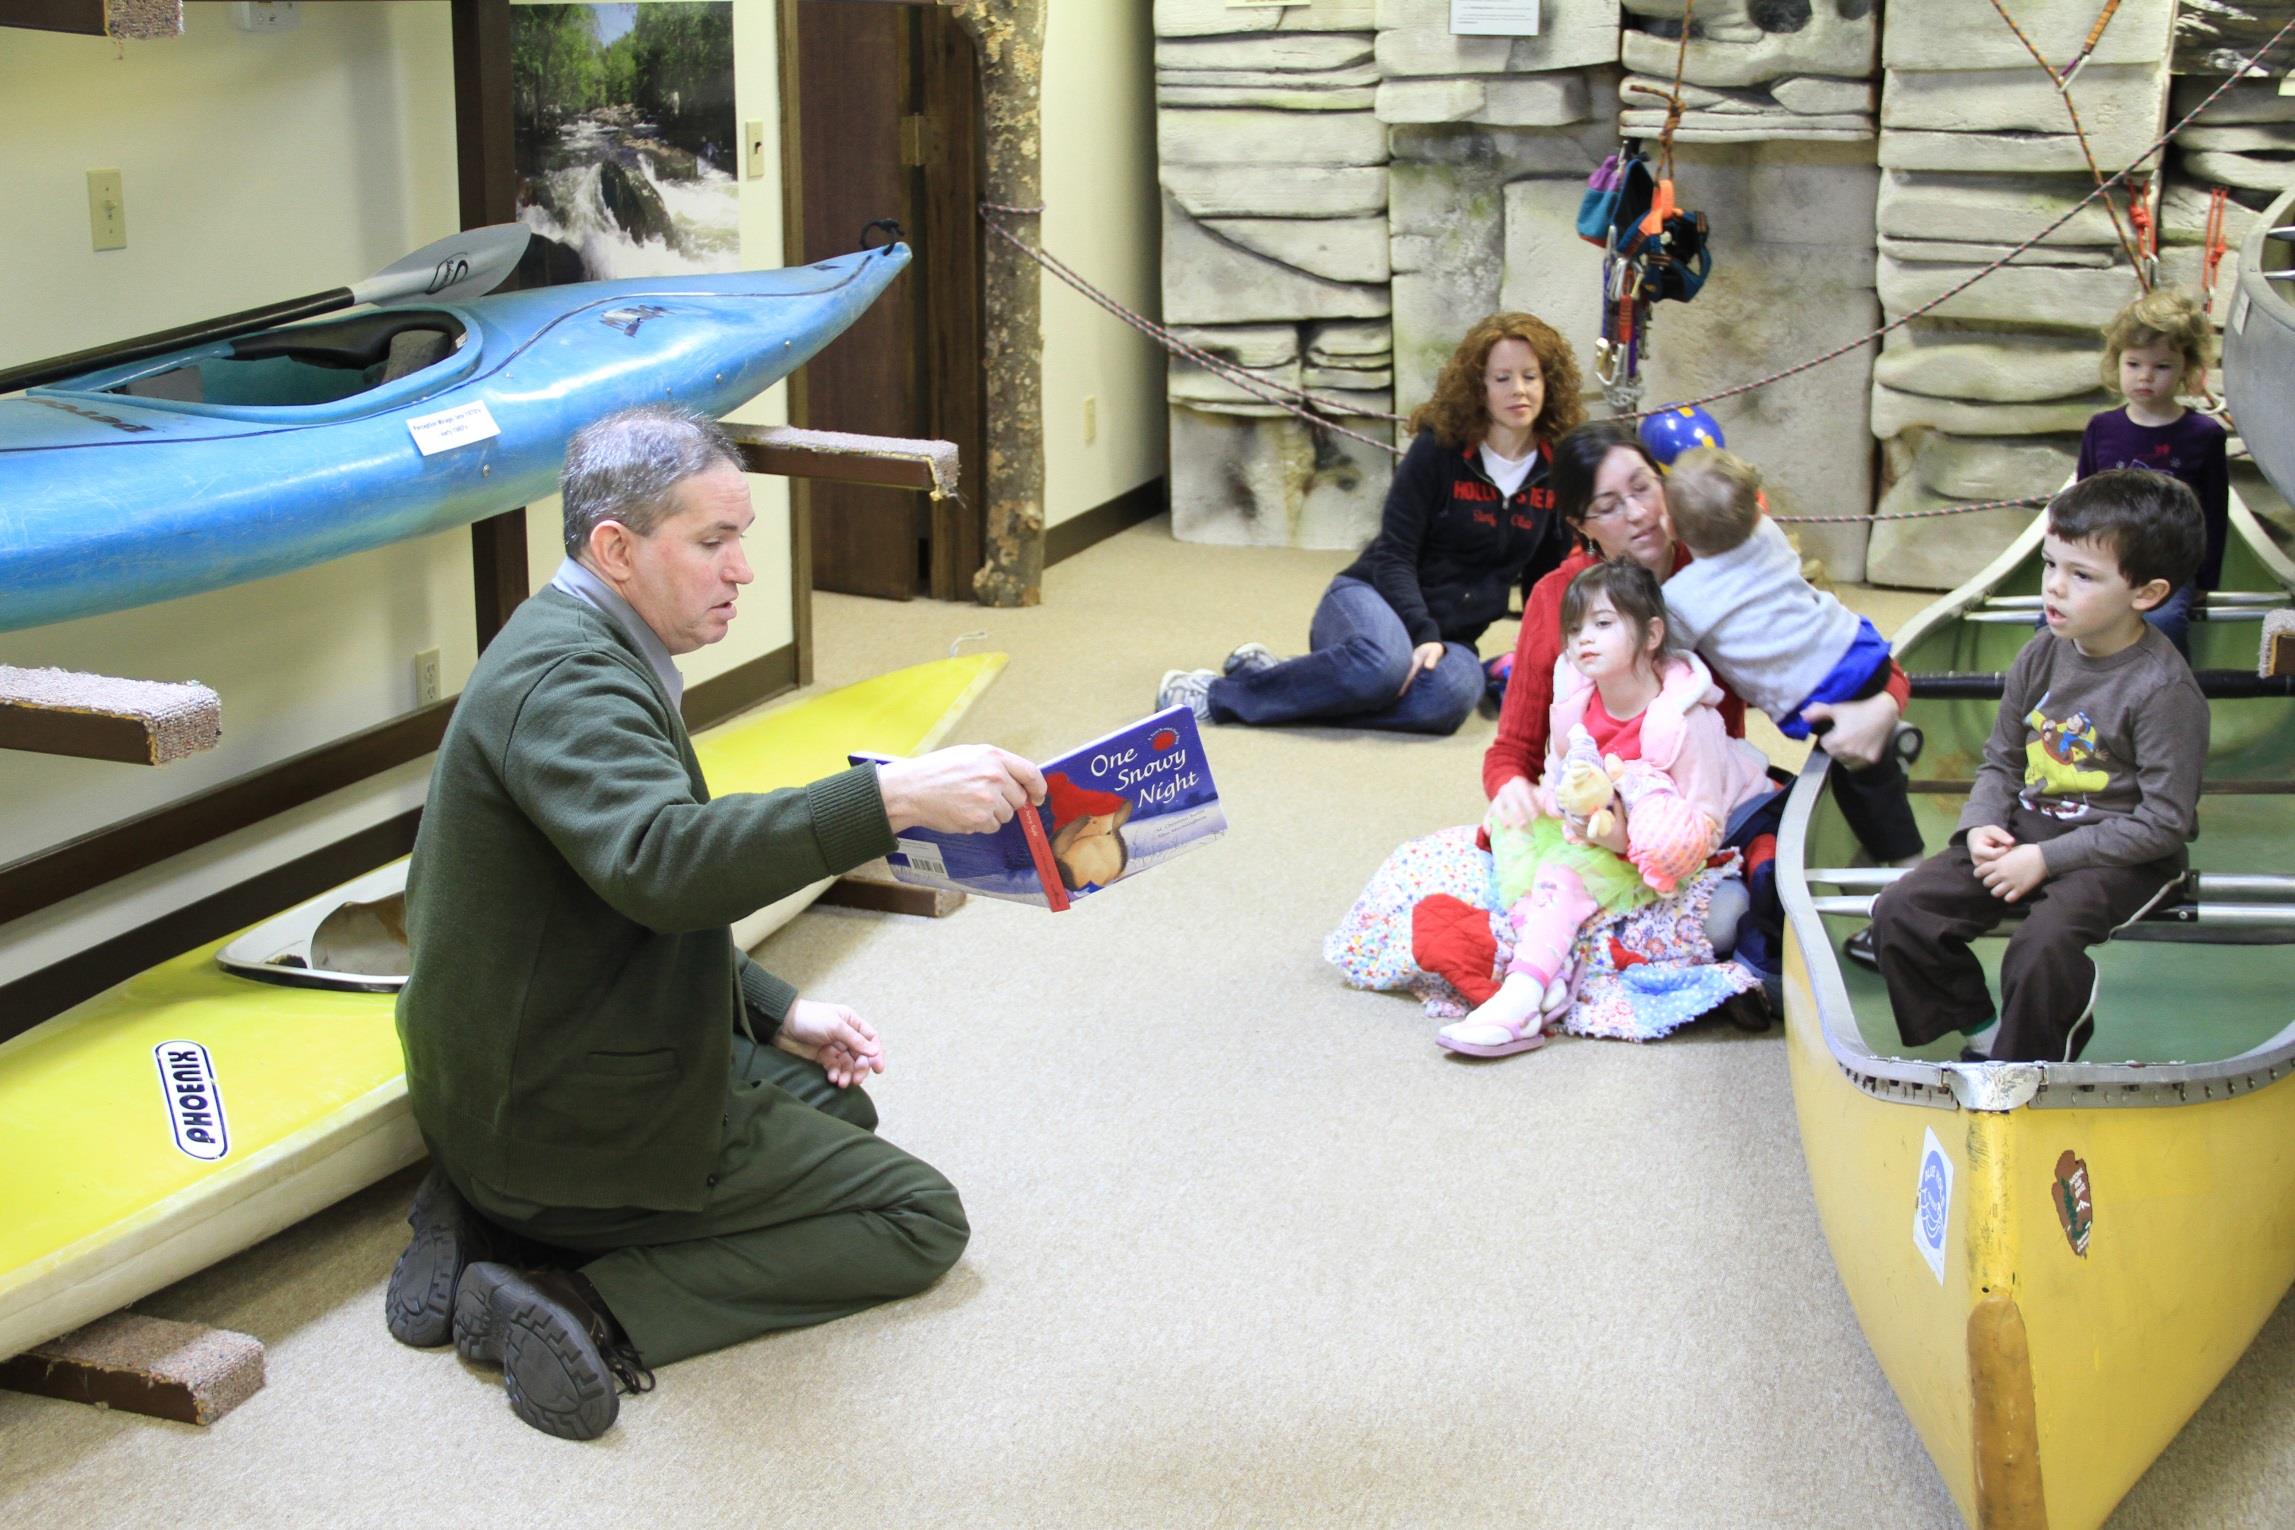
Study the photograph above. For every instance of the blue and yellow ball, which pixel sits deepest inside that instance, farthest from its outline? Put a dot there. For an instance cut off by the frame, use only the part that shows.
(1667, 433)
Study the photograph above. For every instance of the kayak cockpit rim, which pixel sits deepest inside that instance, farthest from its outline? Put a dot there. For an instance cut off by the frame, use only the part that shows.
(442, 348)
(278, 950)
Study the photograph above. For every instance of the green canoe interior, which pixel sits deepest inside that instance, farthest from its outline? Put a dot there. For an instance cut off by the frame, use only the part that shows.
(2159, 1000)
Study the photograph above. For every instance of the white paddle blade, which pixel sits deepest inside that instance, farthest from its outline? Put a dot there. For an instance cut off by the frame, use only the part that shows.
(467, 265)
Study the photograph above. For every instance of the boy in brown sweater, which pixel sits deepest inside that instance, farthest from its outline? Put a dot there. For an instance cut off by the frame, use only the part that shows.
(2088, 793)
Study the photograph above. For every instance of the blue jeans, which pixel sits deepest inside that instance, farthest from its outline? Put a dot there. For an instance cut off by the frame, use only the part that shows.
(1360, 653)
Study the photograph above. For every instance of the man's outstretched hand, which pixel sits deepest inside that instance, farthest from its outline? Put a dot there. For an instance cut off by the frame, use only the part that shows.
(842, 1042)
(971, 789)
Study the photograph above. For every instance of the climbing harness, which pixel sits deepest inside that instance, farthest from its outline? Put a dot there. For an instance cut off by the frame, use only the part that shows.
(1653, 250)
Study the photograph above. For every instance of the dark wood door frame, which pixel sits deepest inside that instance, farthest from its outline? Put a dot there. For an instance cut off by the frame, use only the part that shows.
(950, 240)
(487, 175)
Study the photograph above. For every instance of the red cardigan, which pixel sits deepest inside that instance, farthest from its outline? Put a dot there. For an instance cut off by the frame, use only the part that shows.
(1519, 749)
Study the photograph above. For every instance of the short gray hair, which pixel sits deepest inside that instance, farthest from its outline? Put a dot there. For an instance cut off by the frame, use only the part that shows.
(623, 467)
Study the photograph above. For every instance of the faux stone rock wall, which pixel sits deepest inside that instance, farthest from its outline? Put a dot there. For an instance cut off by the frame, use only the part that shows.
(1347, 185)
(1753, 69)
(1275, 258)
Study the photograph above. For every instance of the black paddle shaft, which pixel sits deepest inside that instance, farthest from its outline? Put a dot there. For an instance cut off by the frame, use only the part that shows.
(2215, 684)
(34, 374)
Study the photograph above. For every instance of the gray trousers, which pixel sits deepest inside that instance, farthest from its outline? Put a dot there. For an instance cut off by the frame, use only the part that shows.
(810, 1217)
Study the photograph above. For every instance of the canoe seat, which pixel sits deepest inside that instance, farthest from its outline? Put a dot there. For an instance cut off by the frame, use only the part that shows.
(354, 344)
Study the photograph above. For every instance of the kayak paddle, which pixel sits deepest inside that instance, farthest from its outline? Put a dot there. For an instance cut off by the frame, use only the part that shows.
(468, 264)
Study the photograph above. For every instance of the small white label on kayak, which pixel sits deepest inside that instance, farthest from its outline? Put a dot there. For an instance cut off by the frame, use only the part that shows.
(194, 1104)
(450, 428)
(1932, 1209)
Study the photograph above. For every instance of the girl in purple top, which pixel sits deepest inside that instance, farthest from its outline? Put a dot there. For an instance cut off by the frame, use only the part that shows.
(2154, 349)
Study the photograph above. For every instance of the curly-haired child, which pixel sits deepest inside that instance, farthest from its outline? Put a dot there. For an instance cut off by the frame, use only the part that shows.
(2154, 349)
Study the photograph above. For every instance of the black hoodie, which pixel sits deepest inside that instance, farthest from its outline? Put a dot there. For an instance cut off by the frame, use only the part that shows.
(1449, 552)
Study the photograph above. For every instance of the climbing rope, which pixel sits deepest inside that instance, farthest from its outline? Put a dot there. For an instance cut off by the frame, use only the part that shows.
(2028, 502)
(1673, 97)
(1319, 410)
(2063, 84)
(2095, 35)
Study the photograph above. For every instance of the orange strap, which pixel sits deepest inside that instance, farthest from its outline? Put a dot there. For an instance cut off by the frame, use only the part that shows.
(1661, 208)
(2218, 243)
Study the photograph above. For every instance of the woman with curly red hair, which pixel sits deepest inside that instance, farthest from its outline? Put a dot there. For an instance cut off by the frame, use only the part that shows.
(1469, 519)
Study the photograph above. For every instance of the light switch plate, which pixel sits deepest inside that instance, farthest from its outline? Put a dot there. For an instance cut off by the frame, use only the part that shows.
(107, 210)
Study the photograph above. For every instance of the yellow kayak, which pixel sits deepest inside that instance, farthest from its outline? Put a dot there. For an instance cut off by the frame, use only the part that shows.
(197, 1108)
(2056, 1263)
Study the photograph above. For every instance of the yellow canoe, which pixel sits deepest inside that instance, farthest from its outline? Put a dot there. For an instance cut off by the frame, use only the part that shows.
(2055, 1264)
(191, 1111)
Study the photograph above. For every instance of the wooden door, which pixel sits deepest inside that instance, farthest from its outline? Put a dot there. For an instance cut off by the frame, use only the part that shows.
(881, 115)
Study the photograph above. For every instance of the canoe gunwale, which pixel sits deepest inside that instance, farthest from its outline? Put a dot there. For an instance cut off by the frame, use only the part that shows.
(2001, 1086)
(2256, 365)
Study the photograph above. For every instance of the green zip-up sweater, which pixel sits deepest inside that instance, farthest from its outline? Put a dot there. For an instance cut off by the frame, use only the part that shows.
(569, 1018)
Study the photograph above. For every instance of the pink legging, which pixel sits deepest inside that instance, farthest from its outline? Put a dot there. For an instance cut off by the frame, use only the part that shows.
(1546, 922)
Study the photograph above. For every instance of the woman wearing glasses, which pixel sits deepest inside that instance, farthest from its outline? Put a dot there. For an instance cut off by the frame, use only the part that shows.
(1469, 519)
(1610, 493)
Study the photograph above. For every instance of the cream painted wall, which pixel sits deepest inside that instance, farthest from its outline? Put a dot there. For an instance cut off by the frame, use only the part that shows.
(1101, 217)
(257, 167)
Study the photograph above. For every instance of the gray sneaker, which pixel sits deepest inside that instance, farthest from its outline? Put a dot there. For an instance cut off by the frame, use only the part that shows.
(1189, 688)
(1249, 660)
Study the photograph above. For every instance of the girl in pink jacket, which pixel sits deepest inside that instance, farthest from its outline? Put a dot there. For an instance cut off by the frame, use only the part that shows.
(1632, 722)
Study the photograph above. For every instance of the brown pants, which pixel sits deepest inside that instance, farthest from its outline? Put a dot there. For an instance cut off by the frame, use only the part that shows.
(1923, 923)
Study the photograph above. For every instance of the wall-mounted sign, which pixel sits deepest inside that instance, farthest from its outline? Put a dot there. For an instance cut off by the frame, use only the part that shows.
(1492, 18)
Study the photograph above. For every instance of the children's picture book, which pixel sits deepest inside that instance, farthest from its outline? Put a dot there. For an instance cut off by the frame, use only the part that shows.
(1112, 809)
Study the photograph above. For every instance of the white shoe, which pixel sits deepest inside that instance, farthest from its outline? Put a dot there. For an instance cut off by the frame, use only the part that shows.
(1189, 688)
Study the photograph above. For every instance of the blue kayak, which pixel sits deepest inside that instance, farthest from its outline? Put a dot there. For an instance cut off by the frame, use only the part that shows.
(270, 452)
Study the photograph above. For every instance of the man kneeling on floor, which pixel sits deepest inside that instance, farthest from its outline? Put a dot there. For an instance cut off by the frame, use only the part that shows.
(577, 1008)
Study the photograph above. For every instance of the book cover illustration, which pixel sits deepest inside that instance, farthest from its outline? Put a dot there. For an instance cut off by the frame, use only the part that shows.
(1113, 808)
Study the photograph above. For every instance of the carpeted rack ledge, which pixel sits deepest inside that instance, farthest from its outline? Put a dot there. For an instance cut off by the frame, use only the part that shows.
(101, 717)
(146, 1365)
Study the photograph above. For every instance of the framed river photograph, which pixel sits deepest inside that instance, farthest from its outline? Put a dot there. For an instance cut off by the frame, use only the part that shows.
(625, 141)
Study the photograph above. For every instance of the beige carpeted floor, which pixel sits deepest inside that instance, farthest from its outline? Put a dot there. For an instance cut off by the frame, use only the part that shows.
(1248, 1249)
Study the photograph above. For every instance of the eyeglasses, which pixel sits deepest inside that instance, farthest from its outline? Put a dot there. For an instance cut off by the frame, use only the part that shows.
(1637, 493)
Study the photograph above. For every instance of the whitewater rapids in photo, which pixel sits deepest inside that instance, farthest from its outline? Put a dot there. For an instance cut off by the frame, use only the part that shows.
(629, 204)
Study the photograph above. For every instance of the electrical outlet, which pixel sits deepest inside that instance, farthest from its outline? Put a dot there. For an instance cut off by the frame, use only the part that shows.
(426, 677)
(107, 210)
(266, 16)
(755, 137)
(1091, 418)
